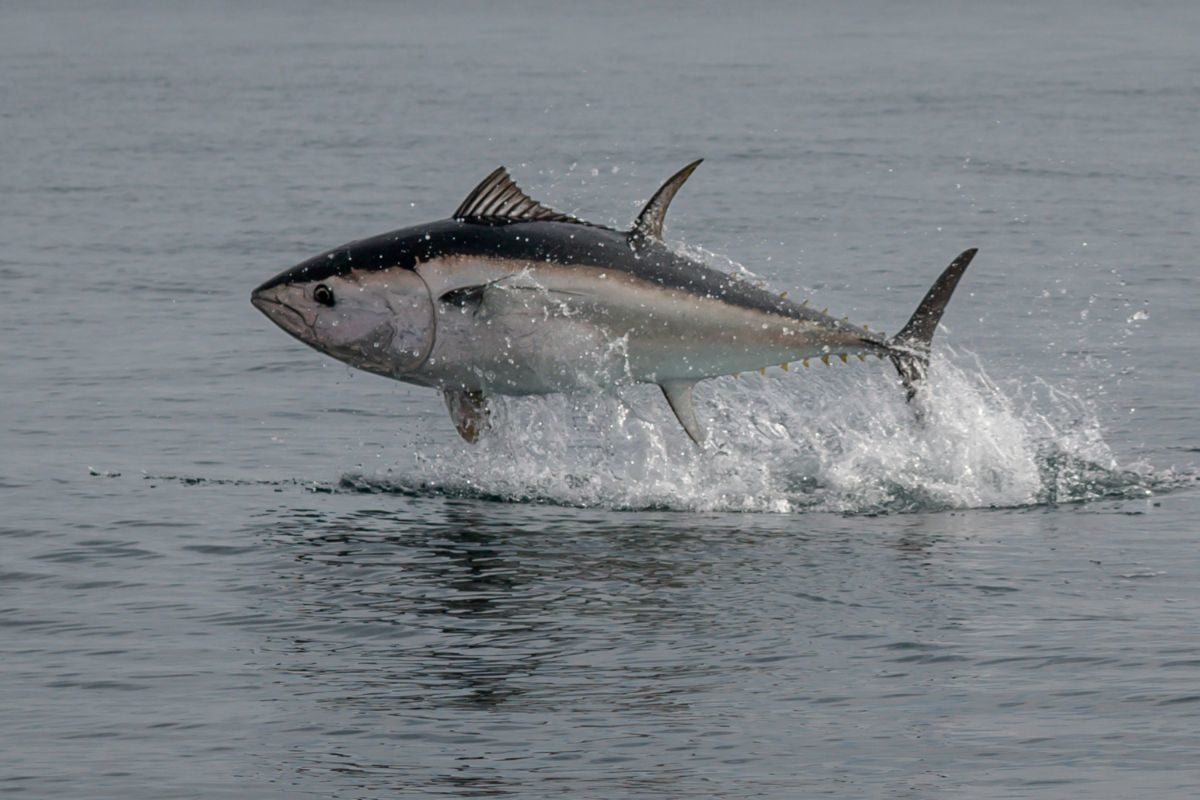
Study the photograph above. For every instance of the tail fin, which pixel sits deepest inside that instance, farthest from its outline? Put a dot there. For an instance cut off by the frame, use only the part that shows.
(912, 344)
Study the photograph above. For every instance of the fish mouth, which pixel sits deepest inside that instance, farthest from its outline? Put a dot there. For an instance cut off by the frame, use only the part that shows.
(279, 312)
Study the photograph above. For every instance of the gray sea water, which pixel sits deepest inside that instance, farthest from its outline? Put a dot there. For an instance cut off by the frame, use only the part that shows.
(230, 567)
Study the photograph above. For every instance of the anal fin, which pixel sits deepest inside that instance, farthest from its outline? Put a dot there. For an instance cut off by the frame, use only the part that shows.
(679, 395)
(469, 412)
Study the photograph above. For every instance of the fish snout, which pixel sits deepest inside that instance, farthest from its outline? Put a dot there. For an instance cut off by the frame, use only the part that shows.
(269, 300)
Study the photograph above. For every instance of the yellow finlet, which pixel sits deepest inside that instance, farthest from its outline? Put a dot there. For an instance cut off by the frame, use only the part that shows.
(825, 359)
(842, 356)
(784, 366)
(762, 370)
(805, 363)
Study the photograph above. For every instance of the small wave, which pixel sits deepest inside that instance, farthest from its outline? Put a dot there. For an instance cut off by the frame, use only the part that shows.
(323, 487)
(843, 442)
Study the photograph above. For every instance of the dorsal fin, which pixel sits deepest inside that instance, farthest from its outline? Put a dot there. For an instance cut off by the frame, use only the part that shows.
(498, 197)
(649, 224)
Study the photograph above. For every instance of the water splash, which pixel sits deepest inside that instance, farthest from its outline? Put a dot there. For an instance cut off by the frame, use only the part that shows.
(843, 441)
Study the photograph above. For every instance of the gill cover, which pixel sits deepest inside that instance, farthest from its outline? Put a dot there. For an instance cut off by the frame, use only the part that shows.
(383, 322)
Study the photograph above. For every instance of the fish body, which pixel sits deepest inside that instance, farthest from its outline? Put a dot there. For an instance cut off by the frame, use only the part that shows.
(510, 297)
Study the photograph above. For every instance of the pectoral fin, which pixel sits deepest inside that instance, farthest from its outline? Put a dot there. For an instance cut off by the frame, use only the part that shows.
(465, 297)
(500, 295)
(679, 395)
(469, 412)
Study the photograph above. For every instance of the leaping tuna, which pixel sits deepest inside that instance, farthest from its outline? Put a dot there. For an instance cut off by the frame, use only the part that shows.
(509, 297)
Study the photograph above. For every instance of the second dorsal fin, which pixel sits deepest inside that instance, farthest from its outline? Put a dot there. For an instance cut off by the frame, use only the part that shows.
(649, 224)
(499, 198)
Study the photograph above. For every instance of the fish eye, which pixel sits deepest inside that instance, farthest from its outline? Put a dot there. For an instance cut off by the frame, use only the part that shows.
(323, 295)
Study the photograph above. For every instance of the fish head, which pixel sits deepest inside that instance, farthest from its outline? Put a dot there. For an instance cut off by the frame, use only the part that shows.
(380, 320)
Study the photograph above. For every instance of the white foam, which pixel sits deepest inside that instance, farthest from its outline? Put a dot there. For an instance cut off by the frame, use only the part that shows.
(837, 439)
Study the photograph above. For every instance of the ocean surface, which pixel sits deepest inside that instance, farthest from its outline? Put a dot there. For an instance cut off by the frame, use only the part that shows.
(231, 567)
